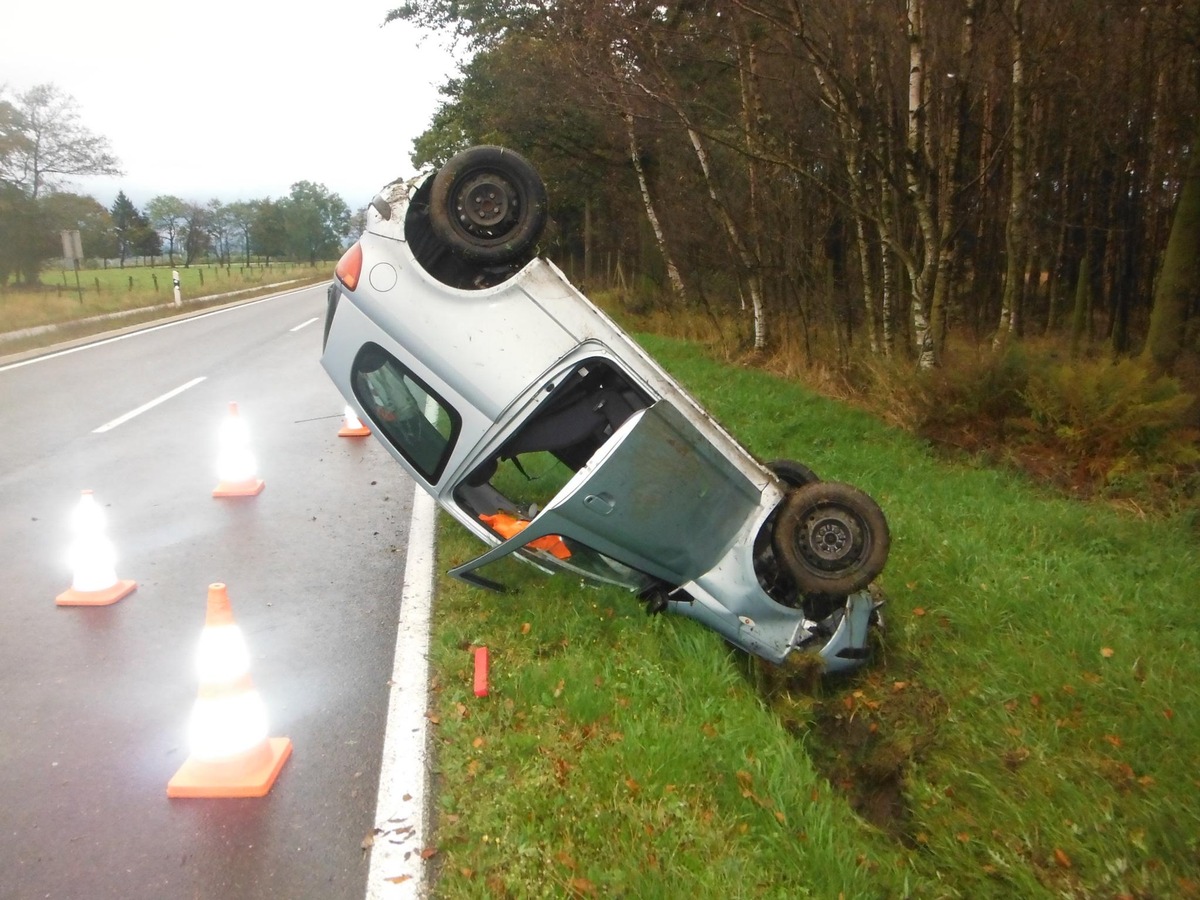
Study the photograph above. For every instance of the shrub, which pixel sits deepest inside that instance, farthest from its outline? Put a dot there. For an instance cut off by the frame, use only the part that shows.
(1114, 411)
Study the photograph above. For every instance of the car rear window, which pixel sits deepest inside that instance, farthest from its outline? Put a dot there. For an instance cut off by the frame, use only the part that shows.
(405, 410)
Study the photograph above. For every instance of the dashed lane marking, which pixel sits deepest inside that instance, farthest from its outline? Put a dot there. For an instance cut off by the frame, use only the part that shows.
(121, 420)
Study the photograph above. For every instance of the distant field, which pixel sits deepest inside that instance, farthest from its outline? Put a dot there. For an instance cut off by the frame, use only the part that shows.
(61, 299)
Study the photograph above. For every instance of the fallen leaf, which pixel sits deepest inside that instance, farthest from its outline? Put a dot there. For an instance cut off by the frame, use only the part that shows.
(466, 873)
(398, 879)
(525, 628)
(963, 837)
(477, 743)
(1035, 699)
(1169, 713)
(558, 688)
(919, 611)
(898, 686)
(368, 842)
(428, 852)
(582, 886)
(781, 817)
(1107, 652)
(633, 786)
(1061, 858)
(1113, 739)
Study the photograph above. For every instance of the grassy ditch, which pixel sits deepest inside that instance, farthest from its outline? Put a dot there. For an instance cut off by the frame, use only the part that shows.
(1029, 725)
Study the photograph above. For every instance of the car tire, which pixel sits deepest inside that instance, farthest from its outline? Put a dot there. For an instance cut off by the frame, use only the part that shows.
(488, 205)
(832, 538)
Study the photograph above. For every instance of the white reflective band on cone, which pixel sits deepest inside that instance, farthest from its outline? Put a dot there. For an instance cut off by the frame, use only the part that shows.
(221, 655)
(223, 727)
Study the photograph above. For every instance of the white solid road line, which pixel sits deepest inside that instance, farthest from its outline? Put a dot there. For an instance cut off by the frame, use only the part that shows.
(121, 420)
(304, 324)
(397, 866)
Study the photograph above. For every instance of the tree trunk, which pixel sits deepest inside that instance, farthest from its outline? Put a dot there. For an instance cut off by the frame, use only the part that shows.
(1016, 238)
(949, 202)
(647, 202)
(916, 170)
(1179, 275)
(587, 240)
(1083, 302)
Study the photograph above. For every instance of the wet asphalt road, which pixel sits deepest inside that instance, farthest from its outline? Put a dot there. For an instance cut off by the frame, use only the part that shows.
(94, 702)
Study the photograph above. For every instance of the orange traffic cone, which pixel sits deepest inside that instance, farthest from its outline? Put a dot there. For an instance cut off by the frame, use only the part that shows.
(236, 466)
(231, 755)
(93, 558)
(352, 426)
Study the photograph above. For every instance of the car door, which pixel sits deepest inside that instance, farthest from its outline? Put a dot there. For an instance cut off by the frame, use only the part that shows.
(657, 497)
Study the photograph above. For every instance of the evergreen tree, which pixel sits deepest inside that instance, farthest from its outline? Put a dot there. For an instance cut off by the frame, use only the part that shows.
(125, 223)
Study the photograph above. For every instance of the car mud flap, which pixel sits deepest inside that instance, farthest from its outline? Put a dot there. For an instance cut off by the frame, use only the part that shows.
(847, 649)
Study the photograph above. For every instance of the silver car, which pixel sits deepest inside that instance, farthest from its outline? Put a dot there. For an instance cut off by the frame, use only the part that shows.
(546, 431)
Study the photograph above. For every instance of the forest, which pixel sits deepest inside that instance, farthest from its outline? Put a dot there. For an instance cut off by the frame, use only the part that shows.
(925, 185)
(905, 171)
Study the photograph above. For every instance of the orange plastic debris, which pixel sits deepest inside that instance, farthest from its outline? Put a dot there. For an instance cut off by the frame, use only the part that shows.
(509, 526)
(481, 671)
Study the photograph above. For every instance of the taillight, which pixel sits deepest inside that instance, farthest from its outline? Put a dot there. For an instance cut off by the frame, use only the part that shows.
(349, 267)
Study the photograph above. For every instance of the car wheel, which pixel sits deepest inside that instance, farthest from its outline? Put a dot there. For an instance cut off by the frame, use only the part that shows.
(488, 205)
(792, 473)
(832, 538)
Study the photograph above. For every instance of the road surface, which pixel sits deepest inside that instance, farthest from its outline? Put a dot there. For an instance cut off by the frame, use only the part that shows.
(94, 702)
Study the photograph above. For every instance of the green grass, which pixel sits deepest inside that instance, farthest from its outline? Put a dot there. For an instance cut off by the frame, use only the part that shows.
(1028, 726)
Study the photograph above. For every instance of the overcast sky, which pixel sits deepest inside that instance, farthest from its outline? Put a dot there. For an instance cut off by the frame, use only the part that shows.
(233, 99)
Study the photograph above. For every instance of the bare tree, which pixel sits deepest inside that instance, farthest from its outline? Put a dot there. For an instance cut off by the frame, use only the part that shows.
(43, 144)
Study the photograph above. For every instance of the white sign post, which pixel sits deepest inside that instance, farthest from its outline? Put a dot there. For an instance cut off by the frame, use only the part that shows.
(175, 281)
(73, 251)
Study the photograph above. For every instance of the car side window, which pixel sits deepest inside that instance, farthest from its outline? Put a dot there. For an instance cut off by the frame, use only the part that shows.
(405, 410)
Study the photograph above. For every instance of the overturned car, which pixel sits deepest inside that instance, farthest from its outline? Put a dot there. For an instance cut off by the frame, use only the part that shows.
(480, 367)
